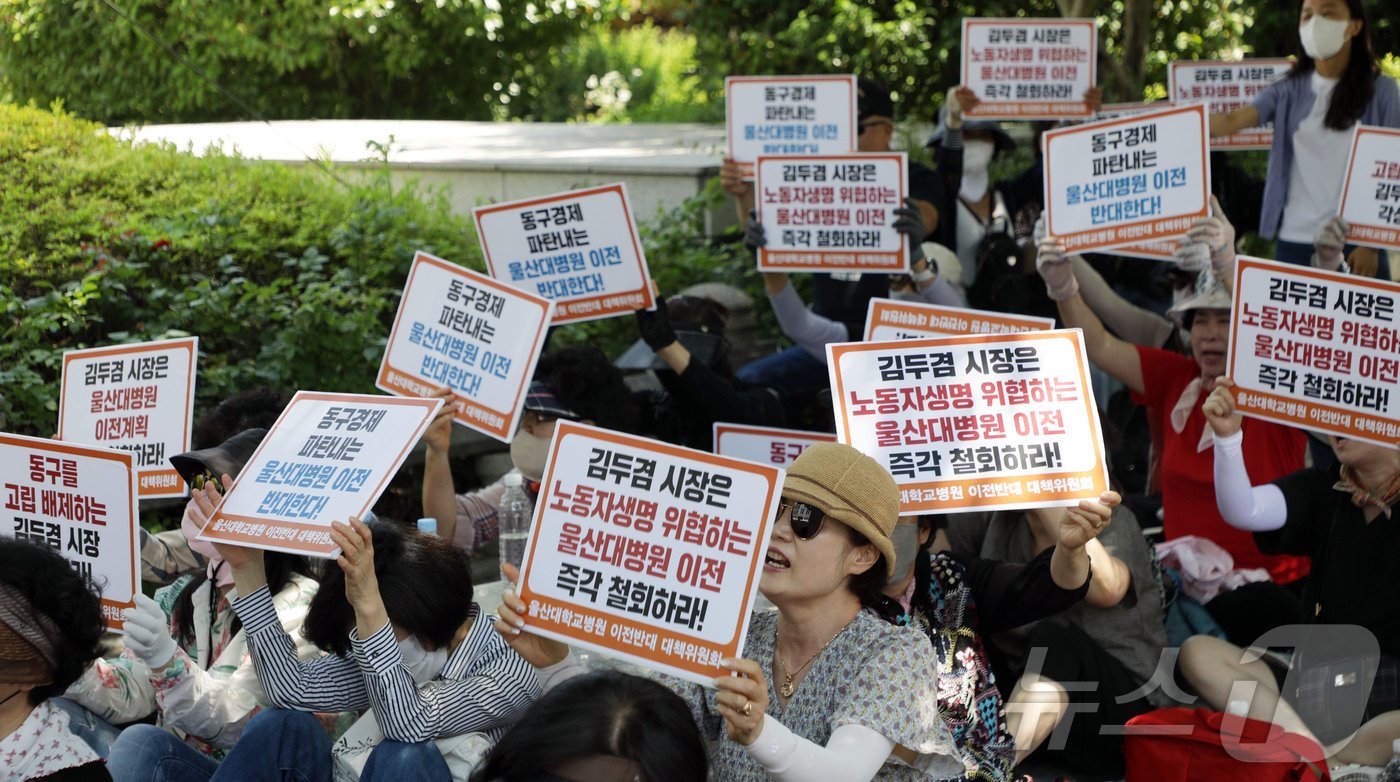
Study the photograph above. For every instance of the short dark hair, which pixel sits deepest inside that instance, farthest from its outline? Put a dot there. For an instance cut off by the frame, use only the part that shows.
(870, 585)
(424, 580)
(255, 408)
(585, 381)
(63, 595)
(602, 713)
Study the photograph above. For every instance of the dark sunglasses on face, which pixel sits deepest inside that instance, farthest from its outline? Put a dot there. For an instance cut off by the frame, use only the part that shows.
(806, 520)
(864, 126)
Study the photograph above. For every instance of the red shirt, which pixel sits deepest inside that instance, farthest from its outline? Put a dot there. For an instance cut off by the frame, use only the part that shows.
(1271, 451)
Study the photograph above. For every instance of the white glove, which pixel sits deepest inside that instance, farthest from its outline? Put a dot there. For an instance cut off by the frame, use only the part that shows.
(952, 115)
(1040, 231)
(1218, 234)
(1328, 242)
(146, 633)
(1055, 269)
(1192, 256)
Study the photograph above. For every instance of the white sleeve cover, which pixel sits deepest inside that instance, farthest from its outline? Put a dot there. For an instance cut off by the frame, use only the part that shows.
(853, 754)
(809, 330)
(1253, 508)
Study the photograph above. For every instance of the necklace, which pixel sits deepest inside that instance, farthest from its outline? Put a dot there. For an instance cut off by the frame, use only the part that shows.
(788, 688)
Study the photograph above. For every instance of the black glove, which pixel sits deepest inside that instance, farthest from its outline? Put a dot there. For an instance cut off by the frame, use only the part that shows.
(655, 326)
(910, 222)
(754, 236)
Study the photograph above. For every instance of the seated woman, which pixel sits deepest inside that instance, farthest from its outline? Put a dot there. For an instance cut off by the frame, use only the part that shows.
(403, 637)
(187, 655)
(826, 690)
(1341, 516)
(601, 727)
(50, 629)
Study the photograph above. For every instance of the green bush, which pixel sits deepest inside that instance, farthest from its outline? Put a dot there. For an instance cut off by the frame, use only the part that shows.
(288, 276)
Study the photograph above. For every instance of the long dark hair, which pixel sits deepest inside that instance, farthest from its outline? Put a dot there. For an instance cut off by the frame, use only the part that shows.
(280, 568)
(605, 713)
(1358, 83)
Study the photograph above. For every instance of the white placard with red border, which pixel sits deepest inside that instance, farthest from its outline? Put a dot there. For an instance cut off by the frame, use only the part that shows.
(1127, 181)
(80, 501)
(832, 213)
(461, 329)
(1371, 194)
(647, 552)
(578, 249)
(1149, 251)
(137, 398)
(1316, 349)
(1115, 110)
(1225, 86)
(887, 320)
(765, 444)
(788, 115)
(327, 458)
(979, 422)
(1029, 68)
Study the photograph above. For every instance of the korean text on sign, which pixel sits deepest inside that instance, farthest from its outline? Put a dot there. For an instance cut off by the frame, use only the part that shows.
(887, 320)
(1225, 87)
(647, 551)
(578, 249)
(327, 458)
(788, 115)
(464, 330)
(832, 213)
(80, 502)
(1371, 194)
(765, 444)
(1316, 349)
(1130, 180)
(1029, 68)
(994, 421)
(137, 398)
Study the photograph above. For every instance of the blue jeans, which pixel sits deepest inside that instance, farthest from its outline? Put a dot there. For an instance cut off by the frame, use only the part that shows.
(92, 729)
(1301, 254)
(278, 745)
(396, 761)
(794, 373)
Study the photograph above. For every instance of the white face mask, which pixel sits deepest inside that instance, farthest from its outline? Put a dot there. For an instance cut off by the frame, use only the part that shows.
(1322, 37)
(528, 453)
(977, 155)
(422, 664)
(906, 551)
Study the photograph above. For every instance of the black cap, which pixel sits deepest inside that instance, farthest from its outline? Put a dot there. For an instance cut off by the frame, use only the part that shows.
(873, 100)
(226, 458)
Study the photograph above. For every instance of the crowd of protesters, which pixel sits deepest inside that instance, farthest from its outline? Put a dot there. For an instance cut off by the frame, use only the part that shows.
(897, 648)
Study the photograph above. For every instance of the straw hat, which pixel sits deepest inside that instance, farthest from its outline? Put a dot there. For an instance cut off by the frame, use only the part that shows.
(851, 488)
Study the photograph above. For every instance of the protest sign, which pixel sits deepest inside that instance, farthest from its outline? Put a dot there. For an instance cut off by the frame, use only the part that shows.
(887, 320)
(831, 213)
(79, 501)
(578, 249)
(1113, 110)
(327, 458)
(1316, 349)
(974, 422)
(788, 115)
(645, 551)
(137, 398)
(1029, 68)
(765, 444)
(1128, 180)
(464, 330)
(1148, 251)
(1225, 87)
(1371, 193)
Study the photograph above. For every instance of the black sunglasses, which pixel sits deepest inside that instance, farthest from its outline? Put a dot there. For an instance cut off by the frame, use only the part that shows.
(806, 520)
(864, 126)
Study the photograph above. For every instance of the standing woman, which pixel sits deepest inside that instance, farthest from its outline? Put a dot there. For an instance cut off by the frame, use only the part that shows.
(1334, 86)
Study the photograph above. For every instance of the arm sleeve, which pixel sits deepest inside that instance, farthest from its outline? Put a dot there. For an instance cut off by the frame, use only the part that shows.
(809, 330)
(477, 517)
(496, 692)
(1129, 322)
(942, 293)
(330, 683)
(1253, 508)
(854, 753)
(1266, 101)
(1009, 595)
(165, 556)
(552, 676)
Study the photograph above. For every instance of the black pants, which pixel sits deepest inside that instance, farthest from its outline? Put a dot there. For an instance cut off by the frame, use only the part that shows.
(1095, 680)
(1254, 609)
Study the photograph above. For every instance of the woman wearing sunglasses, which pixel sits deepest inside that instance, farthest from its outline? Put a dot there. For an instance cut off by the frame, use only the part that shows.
(826, 690)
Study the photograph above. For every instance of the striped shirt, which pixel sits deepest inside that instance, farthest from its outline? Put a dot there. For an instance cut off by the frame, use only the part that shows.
(484, 687)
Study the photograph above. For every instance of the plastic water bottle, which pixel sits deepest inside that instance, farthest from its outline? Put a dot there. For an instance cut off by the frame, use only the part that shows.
(1392, 769)
(514, 519)
(427, 525)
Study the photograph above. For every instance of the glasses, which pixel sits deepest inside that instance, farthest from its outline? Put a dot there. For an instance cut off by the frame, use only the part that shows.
(861, 128)
(806, 520)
